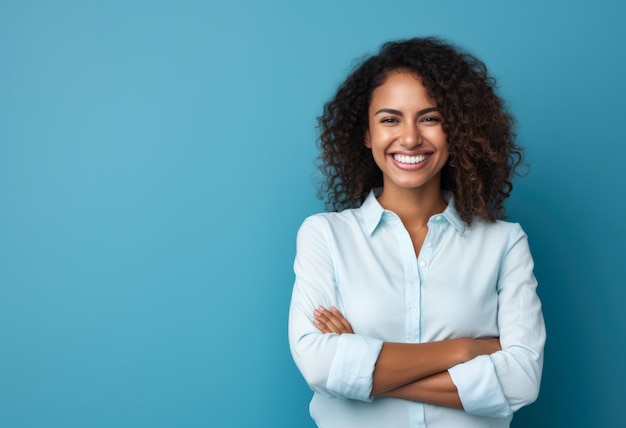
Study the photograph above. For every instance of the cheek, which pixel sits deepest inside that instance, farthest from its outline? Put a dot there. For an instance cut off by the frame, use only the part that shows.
(378, 154)
(381, 138)
(441, 141)
(445, 155)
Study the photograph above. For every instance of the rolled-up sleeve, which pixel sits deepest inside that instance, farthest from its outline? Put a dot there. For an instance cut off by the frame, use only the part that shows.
(503, 382)
(351, 371)
(333, 365)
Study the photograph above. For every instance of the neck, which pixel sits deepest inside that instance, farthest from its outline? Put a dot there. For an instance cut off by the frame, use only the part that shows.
(413, 206)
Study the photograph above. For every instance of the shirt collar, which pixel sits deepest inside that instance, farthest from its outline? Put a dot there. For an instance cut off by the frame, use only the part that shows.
(451, 214)
(373, 212)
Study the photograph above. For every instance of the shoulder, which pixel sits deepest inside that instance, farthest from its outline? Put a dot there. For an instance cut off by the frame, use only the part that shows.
(330, 226)
(501, 230)
(331, 220)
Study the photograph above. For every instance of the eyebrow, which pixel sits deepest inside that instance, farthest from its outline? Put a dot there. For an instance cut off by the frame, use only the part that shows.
(399, 113)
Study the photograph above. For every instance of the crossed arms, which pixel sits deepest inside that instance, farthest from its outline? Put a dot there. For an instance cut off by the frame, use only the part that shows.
(416, 372)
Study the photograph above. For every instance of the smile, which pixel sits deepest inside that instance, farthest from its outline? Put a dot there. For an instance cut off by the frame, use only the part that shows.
(410, 159)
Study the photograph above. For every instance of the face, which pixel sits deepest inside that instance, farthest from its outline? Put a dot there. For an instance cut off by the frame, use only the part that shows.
(405, 133)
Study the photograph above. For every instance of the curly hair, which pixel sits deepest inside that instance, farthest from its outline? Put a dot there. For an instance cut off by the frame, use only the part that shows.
(483, 155)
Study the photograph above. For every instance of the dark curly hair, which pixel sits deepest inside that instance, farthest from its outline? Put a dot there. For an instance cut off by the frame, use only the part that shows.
(483, 154)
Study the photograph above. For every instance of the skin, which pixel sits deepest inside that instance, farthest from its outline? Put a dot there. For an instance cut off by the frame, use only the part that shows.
(414, 371)
(404, 122)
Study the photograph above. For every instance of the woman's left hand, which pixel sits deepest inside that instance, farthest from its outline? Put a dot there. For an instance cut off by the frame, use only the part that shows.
(331, 321)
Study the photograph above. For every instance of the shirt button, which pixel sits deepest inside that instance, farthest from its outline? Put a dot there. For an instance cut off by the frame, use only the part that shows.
(422, 264)
(438, 217)
(413, 310)
(429, 244)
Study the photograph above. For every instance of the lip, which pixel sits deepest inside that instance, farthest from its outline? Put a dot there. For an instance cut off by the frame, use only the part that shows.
(410, 166)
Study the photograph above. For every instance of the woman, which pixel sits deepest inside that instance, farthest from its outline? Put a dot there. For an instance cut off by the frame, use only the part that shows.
(416, 305)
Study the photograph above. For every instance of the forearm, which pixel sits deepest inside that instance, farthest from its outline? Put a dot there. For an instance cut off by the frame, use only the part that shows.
(400, 364)
(437, 389)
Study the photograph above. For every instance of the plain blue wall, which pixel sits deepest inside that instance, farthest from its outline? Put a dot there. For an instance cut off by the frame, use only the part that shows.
(156, 159)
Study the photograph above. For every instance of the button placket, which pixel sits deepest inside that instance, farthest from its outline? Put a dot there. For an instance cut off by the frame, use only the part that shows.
(412, 281)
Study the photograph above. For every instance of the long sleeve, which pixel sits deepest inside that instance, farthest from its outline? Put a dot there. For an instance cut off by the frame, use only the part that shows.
(332, 365)
(505, 381)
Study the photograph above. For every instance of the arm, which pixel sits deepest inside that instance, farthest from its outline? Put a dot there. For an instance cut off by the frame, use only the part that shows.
(413, 371)
(332, 365)
(400, 364)
(501, 382)
(437, 389)
(505, 381)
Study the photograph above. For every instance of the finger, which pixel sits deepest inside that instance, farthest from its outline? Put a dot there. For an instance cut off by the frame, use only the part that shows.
(346, 325)
(321, 326)
(325, 318)
(332, 321)
(322, 322)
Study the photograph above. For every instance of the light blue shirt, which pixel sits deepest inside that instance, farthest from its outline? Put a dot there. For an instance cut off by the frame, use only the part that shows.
(468, 281)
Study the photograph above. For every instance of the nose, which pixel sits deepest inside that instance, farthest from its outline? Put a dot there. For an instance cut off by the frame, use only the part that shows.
(410, 136)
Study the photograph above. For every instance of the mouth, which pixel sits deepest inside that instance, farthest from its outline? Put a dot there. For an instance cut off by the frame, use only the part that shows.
(411, 160)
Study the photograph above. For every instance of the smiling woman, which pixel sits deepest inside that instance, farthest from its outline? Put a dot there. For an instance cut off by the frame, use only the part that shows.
(416, 304)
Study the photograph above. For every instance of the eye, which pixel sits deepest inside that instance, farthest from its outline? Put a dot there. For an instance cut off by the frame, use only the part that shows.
(431, 120)
(389, 120)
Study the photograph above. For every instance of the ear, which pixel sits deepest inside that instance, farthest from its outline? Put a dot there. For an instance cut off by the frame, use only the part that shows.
(367, 140)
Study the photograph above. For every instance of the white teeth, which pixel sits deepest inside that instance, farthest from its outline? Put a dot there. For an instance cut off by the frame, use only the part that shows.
(410, 159)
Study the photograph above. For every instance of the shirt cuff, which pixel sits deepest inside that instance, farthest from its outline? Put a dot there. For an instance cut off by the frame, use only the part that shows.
(479, 388)
(352, 368)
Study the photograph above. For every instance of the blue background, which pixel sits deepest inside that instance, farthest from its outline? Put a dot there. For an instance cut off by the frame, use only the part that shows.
(156, 160)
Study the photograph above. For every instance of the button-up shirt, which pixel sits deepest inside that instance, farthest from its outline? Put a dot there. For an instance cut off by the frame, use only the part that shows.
(467, 281)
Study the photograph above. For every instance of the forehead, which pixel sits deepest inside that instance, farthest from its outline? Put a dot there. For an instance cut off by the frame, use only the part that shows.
(401, 88)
